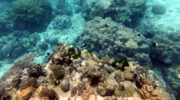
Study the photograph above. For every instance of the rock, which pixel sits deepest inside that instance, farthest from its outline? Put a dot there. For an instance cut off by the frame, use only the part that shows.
(106, 90)
(119, 76)
(25, 94)
(65, 85)
(128, 74)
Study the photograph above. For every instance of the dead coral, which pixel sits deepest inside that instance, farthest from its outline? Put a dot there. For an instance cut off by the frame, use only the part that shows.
(106, 90)
(122, 91)
(47, 93)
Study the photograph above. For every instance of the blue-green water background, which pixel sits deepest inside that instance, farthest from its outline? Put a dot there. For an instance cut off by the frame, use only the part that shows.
(68, 23)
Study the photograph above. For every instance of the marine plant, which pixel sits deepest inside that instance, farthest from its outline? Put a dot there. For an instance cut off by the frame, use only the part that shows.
(73, 53)
(120, 64)
(31, 15)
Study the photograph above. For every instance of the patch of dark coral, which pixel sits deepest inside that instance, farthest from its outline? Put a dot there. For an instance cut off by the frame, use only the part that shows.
(48, 93)
(58, 71)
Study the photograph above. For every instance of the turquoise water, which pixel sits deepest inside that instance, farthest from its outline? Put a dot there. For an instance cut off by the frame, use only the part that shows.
(144, 31)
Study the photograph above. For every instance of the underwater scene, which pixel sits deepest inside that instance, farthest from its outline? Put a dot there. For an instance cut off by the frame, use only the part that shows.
(90, 50)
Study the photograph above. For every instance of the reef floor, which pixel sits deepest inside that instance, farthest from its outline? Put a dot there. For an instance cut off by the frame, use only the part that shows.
(80, 75)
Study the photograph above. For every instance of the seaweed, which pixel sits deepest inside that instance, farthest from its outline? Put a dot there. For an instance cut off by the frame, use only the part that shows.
(73, 53)
(120, 64)
(90, 51)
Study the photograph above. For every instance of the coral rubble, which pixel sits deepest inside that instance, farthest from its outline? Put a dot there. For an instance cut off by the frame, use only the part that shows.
(74, 75)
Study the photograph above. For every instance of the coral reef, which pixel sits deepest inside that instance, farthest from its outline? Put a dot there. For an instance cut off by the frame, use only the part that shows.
(31, 15)
(167, 50)
(63, 8)
(85, 77)
(17, 44)
(108, 38)
(122, 11)
(173, 77)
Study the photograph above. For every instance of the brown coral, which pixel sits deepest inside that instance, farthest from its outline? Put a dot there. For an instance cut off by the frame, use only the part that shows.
(25, 94)
(47, 94)
(148, 92)
(58, 71)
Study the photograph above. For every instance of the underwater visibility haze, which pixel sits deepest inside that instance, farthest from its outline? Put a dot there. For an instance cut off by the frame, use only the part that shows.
(90, 50)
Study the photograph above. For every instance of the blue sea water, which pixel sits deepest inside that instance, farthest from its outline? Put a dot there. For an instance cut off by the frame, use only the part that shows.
(160, 29)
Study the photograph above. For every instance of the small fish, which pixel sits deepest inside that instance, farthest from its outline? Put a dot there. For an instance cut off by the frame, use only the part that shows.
(107, 25)
(172, 95)
(83, 45)
(49, 28)
(46, 24)
(81, 14)
(178, 37)
(103, 44)
(82, 34)
(108, 40)
(122, 22)
(155, 44)
(9, 54)
(93, 3)
(140, 35)
(145, 27)
(53, 23)
(48, 53)
(133, 30)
